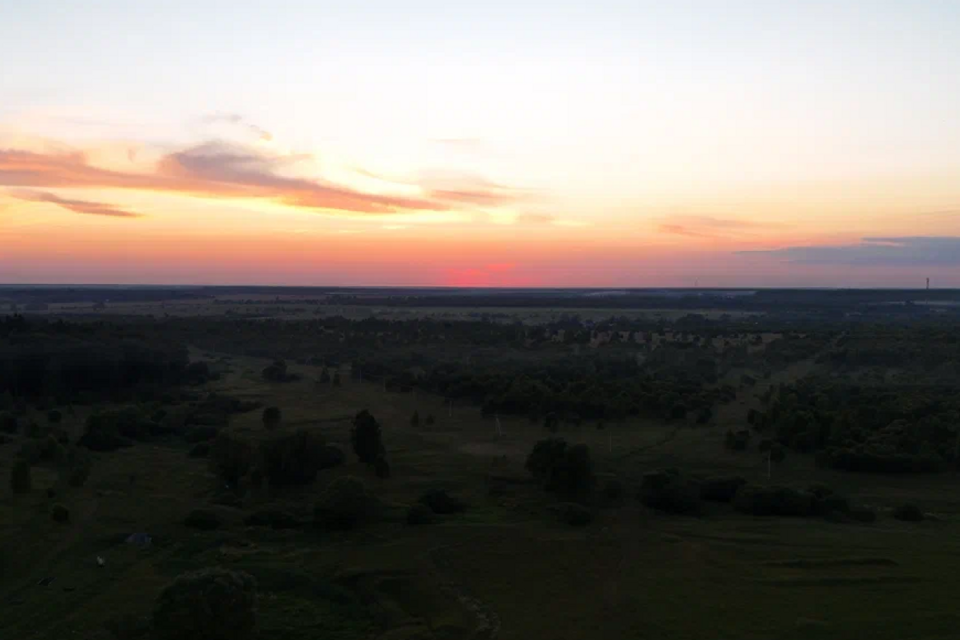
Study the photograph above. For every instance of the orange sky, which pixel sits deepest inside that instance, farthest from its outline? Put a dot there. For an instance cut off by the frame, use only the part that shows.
(593, 144)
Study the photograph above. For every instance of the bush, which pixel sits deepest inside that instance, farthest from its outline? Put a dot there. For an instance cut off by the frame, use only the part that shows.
(908, 513)
(415, 419)
(203, 520)
(111, 430)
(331, 456)
(276, 372)
(292, 458)
(572, 475)
(231, 457)
(737, 440)
(721, 489)
(200, 433)
(545, 456)
(200, 450)
(344, 504)
(867, 461)
(613, 489)
(336, 379)
(8, 422)
(419, 514)
(77, 472)
(773, 501)
(212, 604)
(366, 438)
(271, 418)
(274, 518)
(324, 376)
(382, 468)
(670, 491)
(54, 416)
(51, 450)
(59, 513)
(441, 502)
(573, 514)
(20, 479)
(863, 514)
(777, 453)
(430, 419)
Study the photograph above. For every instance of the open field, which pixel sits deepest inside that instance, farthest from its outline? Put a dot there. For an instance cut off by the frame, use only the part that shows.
(503, 568)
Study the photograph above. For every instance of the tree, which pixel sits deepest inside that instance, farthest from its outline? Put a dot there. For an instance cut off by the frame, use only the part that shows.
(271, 418)
(336, 379)
(344, 504)
(551, 422)
(211, 604)
(382, 468)
(366, 438)
(20, 480)
(572, 474)
(415, 419)
(54, 416)
(324, 376)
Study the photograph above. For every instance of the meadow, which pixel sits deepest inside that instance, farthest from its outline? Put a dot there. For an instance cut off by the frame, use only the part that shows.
(503, 567)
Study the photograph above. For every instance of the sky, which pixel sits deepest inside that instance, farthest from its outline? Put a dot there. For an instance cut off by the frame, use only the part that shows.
(600, 143)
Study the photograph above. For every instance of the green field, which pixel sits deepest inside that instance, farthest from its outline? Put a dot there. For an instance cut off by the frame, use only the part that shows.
(502, 569)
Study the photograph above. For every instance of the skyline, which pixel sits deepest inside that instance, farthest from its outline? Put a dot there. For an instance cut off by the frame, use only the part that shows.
(605, 144)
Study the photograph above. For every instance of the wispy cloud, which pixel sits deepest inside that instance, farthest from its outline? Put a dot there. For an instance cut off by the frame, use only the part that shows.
(222, 170)
(535, 218)
(711, 227)
(237, 119)
(874, 251)
(77, 206)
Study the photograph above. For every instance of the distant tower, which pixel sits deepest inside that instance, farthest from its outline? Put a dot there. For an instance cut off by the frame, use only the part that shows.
(928, 284)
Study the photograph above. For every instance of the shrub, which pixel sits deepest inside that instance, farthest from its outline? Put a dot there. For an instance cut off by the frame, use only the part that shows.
(200, 433)
(908, 513)
(336, 379)
(572, 474)
(415, 419)
(271, 418)
(419, 514)
(20, 479)
(830, 505)
(773, 501)
(344, 504)
(8, 422)
(200, 450)
(231, 457)
(430, 419)
(721, 489)
(31, 451)
(366, 438)
(331, 456)
(54, 416)
(324, 376)
(51, 450)
(613, 489)
(573, 514)
(203, 520)
(670, 491)
(777, 453)
(382, 468)
(77, 472)
(274, 518)
(212, 604)
(111, 430)
(737, 440)
(441, 502)
(863, 514)
(276, 372)
(59, 513)
(551, 422)
(545, 456)
(292, 458)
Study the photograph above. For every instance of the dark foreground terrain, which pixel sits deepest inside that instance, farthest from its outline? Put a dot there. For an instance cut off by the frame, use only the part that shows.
(423, 464)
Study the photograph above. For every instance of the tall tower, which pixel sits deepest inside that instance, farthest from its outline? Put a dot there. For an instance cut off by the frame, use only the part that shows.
(928, 284)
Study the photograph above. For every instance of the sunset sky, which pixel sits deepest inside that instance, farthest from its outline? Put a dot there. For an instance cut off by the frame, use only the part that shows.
(500, 143)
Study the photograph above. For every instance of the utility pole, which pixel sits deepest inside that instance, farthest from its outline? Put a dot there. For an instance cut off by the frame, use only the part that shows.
(499, 428)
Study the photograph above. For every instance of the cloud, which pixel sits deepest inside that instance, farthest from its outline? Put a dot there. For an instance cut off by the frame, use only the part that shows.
(710, 227)
(209, 170)
(877, 251)
(77, 206)
(465, 144)
(535, 218)
(237, 119)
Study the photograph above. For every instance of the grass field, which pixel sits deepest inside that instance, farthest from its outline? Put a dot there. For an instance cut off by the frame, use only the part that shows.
(504, 568)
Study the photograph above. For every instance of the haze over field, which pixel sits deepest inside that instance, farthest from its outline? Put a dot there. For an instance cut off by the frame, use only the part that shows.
(601, 143)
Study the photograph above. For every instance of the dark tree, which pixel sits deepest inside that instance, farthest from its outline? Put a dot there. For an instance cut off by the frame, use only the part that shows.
(572, 475)
(212, 604)
(551, 422)
(54, 416)
(430, 419)
(366, 438)
(336, 379)
(20, 480)
(382, 468)
(324, 376)
(415, 419)
(271, 417)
